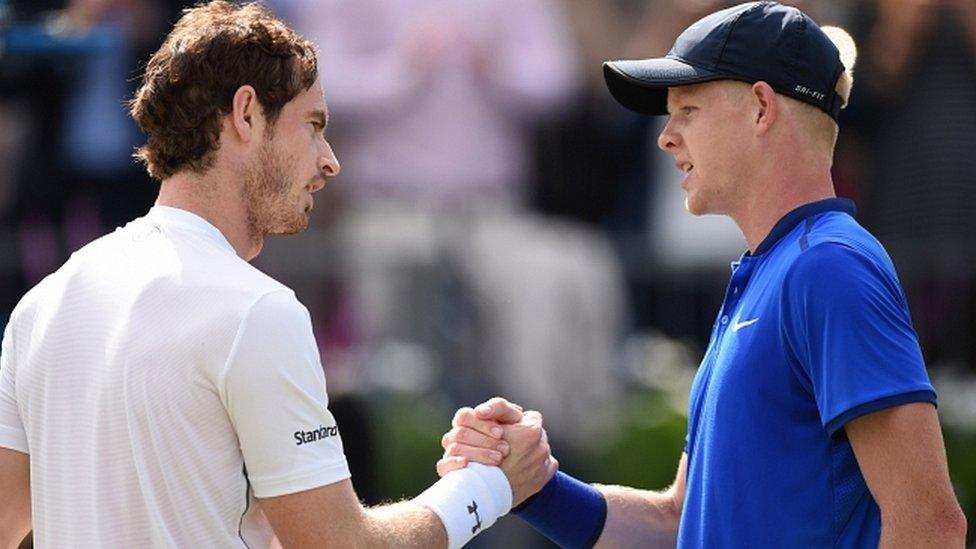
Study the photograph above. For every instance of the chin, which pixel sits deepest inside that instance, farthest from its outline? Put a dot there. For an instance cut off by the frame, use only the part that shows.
(293, 225)
(694, 207)
(297, 227)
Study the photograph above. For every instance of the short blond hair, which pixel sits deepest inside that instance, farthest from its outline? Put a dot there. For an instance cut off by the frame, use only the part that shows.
(823, 128)
(848, 56)
(820, 126)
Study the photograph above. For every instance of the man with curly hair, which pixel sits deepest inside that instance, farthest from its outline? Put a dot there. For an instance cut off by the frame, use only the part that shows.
(158, 390)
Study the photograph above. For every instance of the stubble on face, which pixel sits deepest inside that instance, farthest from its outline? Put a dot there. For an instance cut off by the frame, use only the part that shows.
(271, 206)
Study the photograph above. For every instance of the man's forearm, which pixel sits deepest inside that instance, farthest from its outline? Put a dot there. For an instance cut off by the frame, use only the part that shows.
(11, 539)
(639, 518)
(462, 504)
(938, 529)
(404, 524)
(15, 499)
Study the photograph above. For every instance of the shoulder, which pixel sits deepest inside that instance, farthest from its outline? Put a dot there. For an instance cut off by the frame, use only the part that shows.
(246, 278)
(840, 230)
(258, 306)
(844, 278)
(841, 271)
(274, 320)
(278, 307)
(273, 336)
(213, 272)
(836, 252)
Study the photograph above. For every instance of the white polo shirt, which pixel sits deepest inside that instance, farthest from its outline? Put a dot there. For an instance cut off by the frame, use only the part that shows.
(159, 383)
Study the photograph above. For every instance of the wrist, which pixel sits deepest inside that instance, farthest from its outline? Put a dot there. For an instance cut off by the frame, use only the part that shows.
(569, 512)
(468, 501)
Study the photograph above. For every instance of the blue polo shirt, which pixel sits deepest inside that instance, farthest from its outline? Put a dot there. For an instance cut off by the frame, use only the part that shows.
(814, 332)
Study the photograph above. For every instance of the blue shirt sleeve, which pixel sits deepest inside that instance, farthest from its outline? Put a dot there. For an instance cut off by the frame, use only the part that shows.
(846, 320)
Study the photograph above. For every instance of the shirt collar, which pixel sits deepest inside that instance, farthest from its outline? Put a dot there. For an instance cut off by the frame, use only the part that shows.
(186, 220)
(790, 220)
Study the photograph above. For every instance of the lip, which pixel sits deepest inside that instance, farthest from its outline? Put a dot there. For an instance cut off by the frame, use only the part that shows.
(678, 163)
(318, 182)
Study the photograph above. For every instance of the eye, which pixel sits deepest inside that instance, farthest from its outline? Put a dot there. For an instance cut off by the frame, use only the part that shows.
(318, 127)
(688, 110)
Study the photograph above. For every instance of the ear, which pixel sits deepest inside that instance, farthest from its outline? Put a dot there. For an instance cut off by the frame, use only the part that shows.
(244, 113)
(766, 107)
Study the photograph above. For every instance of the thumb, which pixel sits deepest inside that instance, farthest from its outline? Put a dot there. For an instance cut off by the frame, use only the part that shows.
(500, 410)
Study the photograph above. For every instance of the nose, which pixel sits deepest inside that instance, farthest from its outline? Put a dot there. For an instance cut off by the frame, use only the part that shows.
(328, 163)
(328, 166)
(668, 138)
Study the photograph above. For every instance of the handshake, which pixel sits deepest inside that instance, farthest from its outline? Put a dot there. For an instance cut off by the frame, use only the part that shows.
(497, 457)
(500, 433)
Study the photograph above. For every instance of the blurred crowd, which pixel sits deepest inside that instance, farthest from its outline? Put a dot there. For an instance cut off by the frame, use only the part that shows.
(500, 225)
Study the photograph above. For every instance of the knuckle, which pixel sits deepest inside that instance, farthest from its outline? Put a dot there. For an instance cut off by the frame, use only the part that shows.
(468, 418)
(463, 435)
(462, 413)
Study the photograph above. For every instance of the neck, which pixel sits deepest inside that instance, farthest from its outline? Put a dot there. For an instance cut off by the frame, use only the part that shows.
(218, 199)
(775, 197)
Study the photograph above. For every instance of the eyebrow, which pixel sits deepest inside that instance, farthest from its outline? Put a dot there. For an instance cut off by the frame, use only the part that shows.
(671, 103)
(676, 104)
(320, 116)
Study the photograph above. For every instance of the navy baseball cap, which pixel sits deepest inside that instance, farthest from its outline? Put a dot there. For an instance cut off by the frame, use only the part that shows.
(766, 41)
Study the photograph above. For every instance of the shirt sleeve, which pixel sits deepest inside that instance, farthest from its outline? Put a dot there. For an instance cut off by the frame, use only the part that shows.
(847, 321)
(275, 394)
(12, 434)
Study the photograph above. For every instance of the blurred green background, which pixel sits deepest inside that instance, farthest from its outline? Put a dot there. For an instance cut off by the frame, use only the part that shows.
(642, 450)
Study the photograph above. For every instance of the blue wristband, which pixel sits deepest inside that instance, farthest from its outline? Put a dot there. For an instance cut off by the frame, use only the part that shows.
(568, 512)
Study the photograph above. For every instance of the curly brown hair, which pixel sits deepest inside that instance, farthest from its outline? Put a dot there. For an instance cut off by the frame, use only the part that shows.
(189, 83)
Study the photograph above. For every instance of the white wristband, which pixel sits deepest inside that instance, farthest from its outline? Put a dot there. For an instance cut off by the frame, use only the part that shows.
(468, 501)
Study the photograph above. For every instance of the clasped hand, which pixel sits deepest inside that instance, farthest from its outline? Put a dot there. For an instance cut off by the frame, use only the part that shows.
(501, 433)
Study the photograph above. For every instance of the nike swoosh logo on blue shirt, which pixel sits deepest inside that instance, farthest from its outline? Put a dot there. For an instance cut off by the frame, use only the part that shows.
(740, 325)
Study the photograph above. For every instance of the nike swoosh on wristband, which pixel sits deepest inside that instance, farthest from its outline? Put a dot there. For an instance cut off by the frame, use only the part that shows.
(740, 325)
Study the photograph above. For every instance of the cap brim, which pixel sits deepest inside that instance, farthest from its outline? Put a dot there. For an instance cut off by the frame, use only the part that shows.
(642, 85)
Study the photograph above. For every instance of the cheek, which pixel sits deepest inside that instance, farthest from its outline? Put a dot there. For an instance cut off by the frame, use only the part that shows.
(725, 148)
(289, 162)
(704, 149)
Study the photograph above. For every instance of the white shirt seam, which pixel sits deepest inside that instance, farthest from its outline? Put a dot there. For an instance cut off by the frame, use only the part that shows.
(232, 353)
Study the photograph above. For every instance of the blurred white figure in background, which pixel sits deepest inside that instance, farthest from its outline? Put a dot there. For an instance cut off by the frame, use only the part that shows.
(434, 114)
